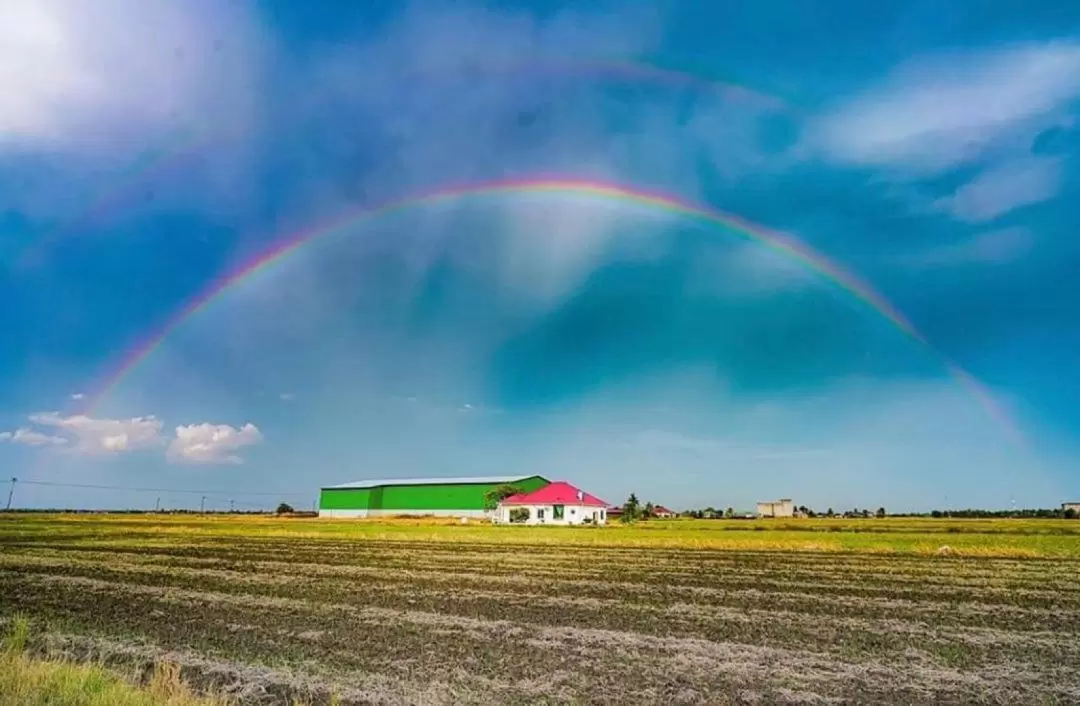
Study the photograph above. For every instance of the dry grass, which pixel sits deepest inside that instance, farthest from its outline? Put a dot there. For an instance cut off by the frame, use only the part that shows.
(26, 681)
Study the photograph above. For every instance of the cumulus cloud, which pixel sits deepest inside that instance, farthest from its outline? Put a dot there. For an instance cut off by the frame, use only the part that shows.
(211, 443)
(1004, 188)
(77, 396)
(78, 73)
(990, 248)
(29, 437)
(94, 436)
(936, 113)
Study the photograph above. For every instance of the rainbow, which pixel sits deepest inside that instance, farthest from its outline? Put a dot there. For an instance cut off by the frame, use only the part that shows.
(775, 241)
(148, 166)
(153, 164)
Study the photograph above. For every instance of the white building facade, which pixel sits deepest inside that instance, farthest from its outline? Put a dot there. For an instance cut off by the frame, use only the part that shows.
(556, 504)
(776, 508)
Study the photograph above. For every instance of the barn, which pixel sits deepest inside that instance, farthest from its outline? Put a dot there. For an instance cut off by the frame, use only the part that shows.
(445, 497)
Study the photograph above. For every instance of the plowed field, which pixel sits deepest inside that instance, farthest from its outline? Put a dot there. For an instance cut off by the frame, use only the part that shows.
(677, 612)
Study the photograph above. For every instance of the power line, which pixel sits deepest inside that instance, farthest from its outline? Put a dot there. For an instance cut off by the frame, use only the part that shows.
(164, 490)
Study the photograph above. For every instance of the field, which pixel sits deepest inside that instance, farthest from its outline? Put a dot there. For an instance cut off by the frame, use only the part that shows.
(813, 611)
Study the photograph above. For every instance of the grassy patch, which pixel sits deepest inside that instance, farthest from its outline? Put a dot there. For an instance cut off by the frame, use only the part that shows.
(25, 681)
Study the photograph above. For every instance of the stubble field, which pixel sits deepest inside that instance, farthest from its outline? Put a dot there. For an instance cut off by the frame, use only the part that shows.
(811, 611)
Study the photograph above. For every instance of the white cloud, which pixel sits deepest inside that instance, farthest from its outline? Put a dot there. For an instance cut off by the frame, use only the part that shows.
(77, 396)
(287, 396)
(84, 73)
(211, 443)
(104, 435)
(1004, 188)
(991, 248)
(933, 114)
(30, 437)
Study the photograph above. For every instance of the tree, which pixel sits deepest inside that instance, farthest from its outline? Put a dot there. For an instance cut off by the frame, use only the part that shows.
(830, 513)
(648, 511)
(729, 513)
(285, 509)
(1070, 514)
(631, 510)
(496, 495)
(881, 512)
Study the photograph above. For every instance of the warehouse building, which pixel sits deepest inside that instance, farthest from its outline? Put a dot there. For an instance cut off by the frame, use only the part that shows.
(443, 497)
(776, 508)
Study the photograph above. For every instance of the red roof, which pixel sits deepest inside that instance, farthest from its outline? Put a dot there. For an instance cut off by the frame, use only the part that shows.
(557, 493)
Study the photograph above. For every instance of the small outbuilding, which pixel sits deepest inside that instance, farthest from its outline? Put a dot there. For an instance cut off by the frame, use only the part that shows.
(558, 503)
(776, 508)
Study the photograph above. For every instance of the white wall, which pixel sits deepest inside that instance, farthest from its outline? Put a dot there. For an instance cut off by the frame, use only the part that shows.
(396, 513)
(572, 514)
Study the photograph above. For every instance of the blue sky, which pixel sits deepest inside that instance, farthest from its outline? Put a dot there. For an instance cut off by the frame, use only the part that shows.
(148, 149)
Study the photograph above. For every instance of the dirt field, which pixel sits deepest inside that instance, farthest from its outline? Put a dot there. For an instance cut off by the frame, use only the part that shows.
(708, 612)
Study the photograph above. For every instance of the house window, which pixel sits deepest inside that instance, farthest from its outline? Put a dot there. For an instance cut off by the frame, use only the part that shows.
(573, 511)
(540, 513)
(557, 512)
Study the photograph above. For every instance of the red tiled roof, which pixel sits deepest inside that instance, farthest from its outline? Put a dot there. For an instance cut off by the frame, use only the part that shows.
(557, 493)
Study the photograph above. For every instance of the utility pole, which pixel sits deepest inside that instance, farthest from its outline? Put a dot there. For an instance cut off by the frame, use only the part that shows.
(157, 505)
(11, 492)
(202, 505)
(230, 505)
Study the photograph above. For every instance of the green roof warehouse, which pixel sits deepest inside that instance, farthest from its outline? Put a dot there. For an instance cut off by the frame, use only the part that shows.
(445, 497)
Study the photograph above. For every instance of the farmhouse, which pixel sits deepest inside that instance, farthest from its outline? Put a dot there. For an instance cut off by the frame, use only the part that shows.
(1075, 507)
(443, 497)
(558, 503)
(776, 508)
(662, 512)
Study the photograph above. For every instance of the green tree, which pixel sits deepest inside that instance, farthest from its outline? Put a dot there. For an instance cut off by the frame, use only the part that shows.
(496, 495)
(729, 513)
(881, 512)
(830, 513)
(647, 511)
(631, 510)
(285, 509)
(1070, 514)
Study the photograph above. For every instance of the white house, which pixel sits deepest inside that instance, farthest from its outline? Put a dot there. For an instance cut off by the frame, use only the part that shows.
(558, 503)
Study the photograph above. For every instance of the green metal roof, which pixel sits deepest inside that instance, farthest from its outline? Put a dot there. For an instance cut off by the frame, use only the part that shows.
(376, 483)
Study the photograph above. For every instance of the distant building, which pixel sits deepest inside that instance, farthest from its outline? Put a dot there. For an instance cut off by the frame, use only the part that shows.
(662, 512)
(776, 508)
(558, 503)
(1070, 506)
